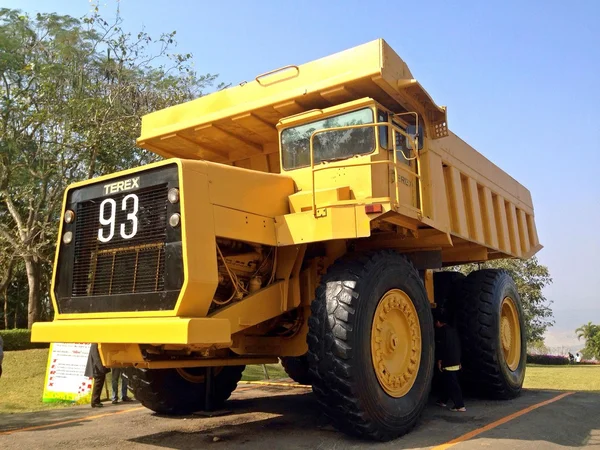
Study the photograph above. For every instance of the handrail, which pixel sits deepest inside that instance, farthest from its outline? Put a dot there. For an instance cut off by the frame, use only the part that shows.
(393, 162)
(272, 72)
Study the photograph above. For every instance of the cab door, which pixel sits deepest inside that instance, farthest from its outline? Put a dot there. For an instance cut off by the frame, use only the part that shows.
(406, 182)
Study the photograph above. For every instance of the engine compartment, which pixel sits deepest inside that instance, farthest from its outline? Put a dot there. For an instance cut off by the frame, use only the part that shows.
(243, 269)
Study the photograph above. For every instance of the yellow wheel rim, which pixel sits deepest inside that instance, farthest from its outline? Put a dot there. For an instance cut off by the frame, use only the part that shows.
(510, 333)
(396, 343)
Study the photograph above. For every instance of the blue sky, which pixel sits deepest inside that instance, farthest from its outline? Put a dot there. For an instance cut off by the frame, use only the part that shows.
(519, 78)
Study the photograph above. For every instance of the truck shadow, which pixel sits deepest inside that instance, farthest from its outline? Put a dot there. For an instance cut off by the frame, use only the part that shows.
(295, 421)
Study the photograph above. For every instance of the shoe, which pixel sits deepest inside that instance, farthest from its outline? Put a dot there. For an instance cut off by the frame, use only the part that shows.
(114, 402)
(442, 404)
(463, 409)
(97, 405)
(127, 399)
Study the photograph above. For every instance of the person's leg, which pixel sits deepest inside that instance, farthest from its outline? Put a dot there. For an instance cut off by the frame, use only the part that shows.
(97, 389)
(124, 395)
(116, 374)
(454, 389)
(443, 394)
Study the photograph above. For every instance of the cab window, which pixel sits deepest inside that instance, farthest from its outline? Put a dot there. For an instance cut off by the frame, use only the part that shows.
(402, 147)
(382, 116)
(330, 145)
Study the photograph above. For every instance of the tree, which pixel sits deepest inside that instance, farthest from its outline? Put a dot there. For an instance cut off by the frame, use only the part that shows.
(537, 347)
(72, 93)
(591, 334)
(530, 277)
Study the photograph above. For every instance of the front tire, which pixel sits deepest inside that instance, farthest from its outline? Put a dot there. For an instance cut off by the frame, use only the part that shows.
(370, 343)
(492, 330)
(181, 391)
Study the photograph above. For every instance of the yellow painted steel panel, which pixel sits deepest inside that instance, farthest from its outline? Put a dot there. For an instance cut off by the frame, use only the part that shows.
(338, 223)
(533, 236)
(160, 330)
(475, 211)
(513, 229)
(254, 309)
(302, 201)
(457, 202)
(197, 236)
(523, 233)
(457, 153)
(244, 226)
(489, 218)
(501, 223)
(435, 201)
(246, 190)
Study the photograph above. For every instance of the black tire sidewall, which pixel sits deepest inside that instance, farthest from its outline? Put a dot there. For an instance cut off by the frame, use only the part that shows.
(506, 288)
(486, 372)
(165, 391)
(392, 272)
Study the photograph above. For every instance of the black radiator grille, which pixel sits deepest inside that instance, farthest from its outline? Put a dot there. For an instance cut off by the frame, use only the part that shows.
(121, 266)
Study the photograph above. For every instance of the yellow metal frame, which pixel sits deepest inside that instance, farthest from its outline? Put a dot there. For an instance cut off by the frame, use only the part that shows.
(149, 330)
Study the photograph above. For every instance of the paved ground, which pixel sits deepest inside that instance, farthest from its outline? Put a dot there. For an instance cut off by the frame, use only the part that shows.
(270, 418)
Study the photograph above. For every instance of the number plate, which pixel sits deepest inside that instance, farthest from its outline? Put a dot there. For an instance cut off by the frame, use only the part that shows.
(108, 218)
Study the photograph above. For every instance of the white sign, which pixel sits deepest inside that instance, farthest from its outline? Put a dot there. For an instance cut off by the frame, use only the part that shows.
(65, 374)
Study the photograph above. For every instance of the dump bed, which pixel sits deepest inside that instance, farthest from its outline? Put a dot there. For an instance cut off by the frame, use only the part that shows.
(482, 206)
(239, 123)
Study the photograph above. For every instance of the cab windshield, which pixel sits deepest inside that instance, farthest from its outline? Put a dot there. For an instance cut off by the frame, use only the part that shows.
(330, 145)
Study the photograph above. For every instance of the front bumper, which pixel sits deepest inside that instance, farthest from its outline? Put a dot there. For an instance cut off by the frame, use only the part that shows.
(164, 330)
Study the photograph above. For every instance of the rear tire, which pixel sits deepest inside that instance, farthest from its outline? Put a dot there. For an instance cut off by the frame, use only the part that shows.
(297, 368)
(355, 302)
(177, 392)
(494, 346)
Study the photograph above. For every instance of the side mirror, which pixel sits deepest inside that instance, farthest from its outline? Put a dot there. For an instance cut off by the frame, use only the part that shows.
(414, 133)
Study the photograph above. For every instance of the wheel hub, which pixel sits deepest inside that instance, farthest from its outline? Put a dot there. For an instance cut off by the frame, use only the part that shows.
(396, 343)
(510, 333)
(506, 334)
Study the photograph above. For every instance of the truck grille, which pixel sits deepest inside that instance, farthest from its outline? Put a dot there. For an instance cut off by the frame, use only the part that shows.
(121, 266)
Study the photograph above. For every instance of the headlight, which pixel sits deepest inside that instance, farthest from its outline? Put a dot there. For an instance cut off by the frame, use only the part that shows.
(174, 220)
(68, 237)
(173, 195)
(69, 216)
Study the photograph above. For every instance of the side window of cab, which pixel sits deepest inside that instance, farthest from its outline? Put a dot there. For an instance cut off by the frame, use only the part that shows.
(382, 116)
(402, 149)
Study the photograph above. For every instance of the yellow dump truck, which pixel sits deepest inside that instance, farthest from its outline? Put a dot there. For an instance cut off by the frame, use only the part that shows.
(303, 216)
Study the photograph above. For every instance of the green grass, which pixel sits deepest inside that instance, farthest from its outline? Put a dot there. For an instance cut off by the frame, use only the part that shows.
(22, 382)
(568, 378)
(254, 373)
